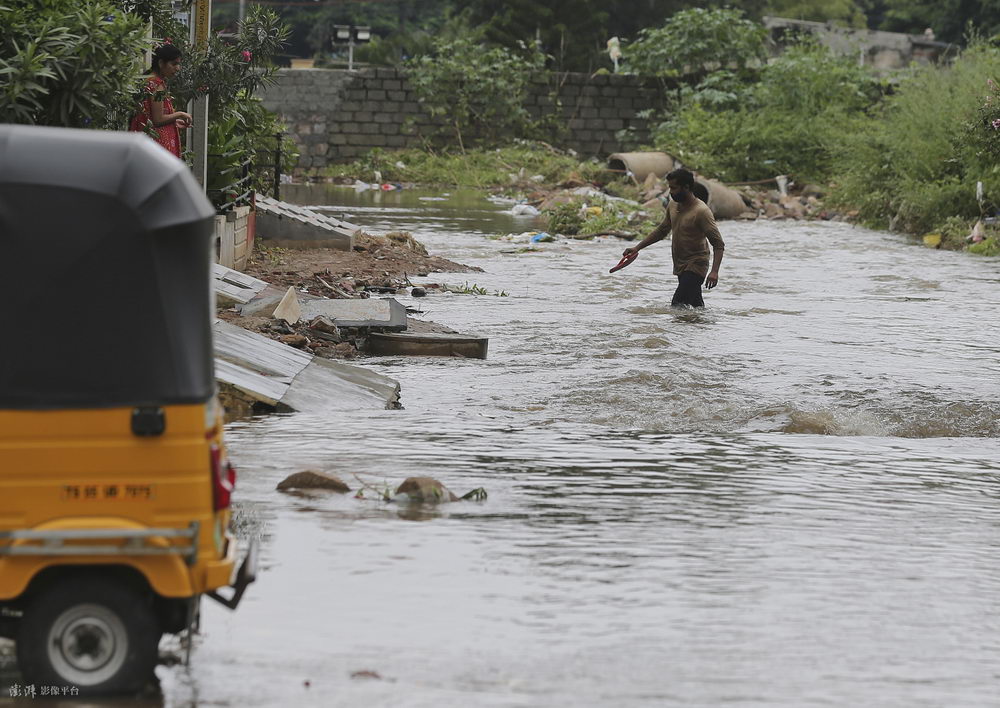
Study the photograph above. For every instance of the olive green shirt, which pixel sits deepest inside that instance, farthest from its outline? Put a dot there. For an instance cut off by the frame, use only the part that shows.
(693, 228)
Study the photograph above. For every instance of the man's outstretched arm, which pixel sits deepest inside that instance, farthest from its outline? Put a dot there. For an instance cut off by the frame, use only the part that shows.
(658, 234)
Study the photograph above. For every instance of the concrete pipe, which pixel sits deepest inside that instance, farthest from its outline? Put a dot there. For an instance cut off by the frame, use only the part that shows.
(641, 164)
(724, 202)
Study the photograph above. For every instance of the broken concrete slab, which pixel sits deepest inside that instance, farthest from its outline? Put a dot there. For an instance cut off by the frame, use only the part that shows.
(233, 287)
(428, 344)
(265, 302)
(292, 226)
(372, 313)
(286, 379)
(288, 309)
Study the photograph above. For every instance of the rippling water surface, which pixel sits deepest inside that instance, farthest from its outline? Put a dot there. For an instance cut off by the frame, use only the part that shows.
(787, 499)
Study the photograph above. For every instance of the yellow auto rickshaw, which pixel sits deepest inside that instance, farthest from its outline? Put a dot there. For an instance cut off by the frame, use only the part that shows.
(115, 486)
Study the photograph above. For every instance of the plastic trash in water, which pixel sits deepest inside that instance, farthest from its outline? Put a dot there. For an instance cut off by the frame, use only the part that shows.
(524, 210)
(386, 187)
(361, 186)
(542, 237)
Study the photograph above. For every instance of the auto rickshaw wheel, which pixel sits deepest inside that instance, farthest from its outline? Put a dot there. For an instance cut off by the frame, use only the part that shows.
(93, 633)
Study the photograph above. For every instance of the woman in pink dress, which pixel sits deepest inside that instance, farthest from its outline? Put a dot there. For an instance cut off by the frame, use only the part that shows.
(157, 117)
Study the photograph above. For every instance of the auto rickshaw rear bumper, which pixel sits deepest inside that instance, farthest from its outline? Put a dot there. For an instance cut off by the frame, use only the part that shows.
(244, 576)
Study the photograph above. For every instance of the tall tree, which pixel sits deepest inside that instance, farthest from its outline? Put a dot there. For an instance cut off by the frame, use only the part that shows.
(572, 32)
(843, 12)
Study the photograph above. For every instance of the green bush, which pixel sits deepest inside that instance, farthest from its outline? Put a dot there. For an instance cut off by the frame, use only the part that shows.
(69, 63)
(789, 122)
(988, 247)
(697, 41)
(241, 130)
(915, 163)
(478, 91)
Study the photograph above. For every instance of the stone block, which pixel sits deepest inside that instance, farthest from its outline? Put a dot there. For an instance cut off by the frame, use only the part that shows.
(395, 140)
(614, 124)
(369, 128)
(363, 117)
(609, 112)
(375, 95)
(377, 140)
(319, 149)
(389, 129)
(384, 117)
(357, 139)
(392, 84)
(577, 124)
(338, 139)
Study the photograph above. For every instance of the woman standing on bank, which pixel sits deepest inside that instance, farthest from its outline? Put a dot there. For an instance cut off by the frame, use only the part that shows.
(157, 117)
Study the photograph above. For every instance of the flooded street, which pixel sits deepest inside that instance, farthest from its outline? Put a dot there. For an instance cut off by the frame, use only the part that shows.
(788, 499)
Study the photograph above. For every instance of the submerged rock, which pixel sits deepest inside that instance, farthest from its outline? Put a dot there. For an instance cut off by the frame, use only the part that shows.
(312, 480)
(423, 489)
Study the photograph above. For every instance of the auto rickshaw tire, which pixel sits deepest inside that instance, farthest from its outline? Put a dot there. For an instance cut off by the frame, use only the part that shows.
(94, 633)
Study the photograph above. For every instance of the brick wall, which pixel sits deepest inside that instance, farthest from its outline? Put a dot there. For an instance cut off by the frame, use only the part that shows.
(336, 115)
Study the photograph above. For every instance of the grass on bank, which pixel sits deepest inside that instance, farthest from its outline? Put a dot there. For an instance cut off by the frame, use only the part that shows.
(479, 168)
(915, 163)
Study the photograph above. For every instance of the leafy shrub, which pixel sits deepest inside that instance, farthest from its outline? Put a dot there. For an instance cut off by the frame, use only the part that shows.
(479, 91)
(915, 163)
(987, 247)
(69, 63)
(697, 41)
(789, 122)
(241, 131)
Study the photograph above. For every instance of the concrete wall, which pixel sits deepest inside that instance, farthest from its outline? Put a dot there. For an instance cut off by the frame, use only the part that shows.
(883, 51)
(336, 115)
(233, 238)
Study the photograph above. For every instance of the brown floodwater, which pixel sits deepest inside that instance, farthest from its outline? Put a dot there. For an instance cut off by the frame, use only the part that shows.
(787, 499)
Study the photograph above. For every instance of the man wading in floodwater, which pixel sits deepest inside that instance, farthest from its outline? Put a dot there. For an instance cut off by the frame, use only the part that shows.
(693, 227)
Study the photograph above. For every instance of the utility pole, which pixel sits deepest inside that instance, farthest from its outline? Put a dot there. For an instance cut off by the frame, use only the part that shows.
(202, 10)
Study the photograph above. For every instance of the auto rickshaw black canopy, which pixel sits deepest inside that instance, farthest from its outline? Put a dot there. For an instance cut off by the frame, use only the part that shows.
(105, 296)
